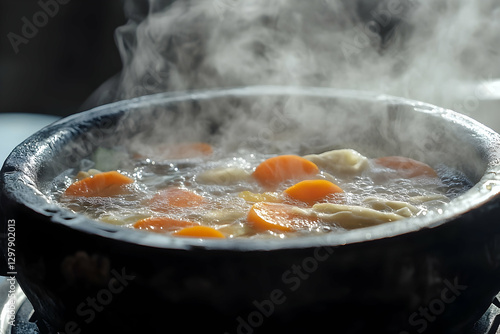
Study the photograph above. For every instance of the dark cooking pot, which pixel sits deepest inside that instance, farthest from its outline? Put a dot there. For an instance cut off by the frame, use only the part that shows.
(436, 273)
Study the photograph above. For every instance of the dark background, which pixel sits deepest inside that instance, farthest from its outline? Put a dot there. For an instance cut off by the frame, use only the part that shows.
(69, 57)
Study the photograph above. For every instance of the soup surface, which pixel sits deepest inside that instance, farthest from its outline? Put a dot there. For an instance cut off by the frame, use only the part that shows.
(193, 190)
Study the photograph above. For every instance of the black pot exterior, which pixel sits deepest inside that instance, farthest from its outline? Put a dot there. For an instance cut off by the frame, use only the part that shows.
(435, 276)
(438, 280)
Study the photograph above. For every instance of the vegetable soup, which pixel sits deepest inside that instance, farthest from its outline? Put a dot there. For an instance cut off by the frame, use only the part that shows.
(194, 190)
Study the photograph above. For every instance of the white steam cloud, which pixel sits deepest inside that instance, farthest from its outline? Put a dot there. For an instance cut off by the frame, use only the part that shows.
(442, 52)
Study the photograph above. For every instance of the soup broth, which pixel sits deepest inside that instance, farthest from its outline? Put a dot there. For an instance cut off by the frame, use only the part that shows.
(194, 190)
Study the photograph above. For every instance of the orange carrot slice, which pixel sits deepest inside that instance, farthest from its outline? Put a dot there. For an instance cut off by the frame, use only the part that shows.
(170, 198)
(188, 150)
(278, 217)
(162, 224)
(406, 167)
(199, 232)
(178, 151)
(100, 185)
(276, 170)
(312, 191)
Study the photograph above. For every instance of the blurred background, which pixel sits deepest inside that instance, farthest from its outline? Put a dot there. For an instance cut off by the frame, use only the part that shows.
(70, 55)
(48, 70)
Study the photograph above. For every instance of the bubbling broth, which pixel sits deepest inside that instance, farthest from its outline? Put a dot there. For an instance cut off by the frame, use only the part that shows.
(195, 190)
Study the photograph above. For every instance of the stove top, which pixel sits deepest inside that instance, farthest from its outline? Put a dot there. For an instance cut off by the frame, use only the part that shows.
(17, 319)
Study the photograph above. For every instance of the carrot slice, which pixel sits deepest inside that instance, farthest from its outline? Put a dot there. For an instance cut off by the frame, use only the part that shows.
(199, 232)
(279, 217)
(406, 167)
(178, 151)
(170, 198)
(188, 150)
(276, 170)
(312, 191)
(100, 185)
(162, 224)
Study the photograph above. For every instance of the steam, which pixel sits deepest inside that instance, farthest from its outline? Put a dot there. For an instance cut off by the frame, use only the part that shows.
(438, 52)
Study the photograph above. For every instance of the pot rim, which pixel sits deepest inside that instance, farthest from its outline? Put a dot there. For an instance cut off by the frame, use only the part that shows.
(484, 191)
